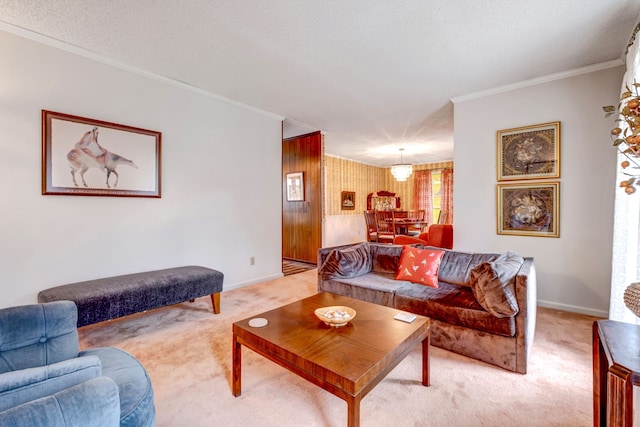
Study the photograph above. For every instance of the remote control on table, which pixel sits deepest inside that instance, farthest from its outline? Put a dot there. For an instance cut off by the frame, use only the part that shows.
(405, 317)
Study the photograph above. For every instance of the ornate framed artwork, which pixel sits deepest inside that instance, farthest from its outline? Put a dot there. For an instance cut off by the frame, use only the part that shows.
(348, 200)
(530, 152)
(88, 157)
(295, 187)
(529, 209)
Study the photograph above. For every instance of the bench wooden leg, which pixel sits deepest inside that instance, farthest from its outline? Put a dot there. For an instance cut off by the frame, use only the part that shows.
(215, 300)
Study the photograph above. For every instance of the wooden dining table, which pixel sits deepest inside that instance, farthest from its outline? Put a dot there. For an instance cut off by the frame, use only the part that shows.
(403, 225)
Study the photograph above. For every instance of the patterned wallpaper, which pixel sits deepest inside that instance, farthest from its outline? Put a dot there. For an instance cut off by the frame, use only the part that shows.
(347, 175)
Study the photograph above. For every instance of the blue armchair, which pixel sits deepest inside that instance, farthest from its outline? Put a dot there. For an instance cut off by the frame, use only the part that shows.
(46, 381)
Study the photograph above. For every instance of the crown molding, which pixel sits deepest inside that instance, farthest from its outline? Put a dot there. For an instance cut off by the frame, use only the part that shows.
(539, 80)
(49, 41)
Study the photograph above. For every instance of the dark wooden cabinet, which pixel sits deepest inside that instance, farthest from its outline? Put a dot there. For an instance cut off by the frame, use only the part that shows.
(616, 370)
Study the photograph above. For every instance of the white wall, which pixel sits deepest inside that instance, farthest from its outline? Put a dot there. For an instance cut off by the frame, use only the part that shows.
(221, 172)
(574, 270)
(343, 230)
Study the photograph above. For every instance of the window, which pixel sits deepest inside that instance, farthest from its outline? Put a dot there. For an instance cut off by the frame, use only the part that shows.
(428, 193)
(436, 199)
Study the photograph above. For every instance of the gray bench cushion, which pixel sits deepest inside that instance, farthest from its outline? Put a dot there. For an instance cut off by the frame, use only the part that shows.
(112, 297)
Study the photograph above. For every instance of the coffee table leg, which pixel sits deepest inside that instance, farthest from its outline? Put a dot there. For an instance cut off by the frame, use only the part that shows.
(425, 360)
(353, 411)
(236, 370)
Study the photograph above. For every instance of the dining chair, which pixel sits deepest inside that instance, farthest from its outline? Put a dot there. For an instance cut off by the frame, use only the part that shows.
(416, 215)
(386, 226)
(439, 235)
(442, 217)
(372, 228)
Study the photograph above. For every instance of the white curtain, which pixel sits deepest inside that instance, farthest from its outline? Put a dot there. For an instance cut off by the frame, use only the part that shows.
(626, 227)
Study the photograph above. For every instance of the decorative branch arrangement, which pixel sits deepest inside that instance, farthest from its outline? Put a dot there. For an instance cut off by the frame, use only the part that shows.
(626, 135)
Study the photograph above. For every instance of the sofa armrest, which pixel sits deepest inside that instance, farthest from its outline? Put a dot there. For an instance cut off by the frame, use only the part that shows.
(95, 402)
(323, 254)
(527, 296)
(18, 387)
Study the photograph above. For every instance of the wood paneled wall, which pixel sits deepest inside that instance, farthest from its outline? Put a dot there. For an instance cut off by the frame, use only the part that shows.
(302, 221)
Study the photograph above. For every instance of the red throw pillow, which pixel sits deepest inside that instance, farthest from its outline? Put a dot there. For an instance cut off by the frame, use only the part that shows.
(419, 266)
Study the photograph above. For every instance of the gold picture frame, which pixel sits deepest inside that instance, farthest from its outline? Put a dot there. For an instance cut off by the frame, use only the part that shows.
(529, 209)
(529, 152)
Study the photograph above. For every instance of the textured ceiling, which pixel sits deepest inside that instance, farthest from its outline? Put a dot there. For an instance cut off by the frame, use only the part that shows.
(373, 75)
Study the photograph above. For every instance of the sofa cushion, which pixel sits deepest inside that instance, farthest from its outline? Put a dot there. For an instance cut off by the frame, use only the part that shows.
(493, 286)
(386, 258)
(419, 266)
(347, 262)
(456, 266)
(377, 288)
(454, 304)
(18, 387)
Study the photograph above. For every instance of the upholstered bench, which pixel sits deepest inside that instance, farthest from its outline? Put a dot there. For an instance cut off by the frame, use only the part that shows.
(112, 297)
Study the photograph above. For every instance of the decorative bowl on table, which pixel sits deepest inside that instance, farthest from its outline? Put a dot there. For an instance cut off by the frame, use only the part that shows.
(336, 315)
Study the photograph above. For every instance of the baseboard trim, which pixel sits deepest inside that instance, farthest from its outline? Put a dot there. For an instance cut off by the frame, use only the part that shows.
(230, 287)
(574, 309)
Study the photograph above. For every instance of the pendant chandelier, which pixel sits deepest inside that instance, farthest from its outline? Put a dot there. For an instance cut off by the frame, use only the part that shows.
(401, 171)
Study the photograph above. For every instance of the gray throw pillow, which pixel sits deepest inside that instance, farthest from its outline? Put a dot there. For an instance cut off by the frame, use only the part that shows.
(493, 285)
(347, 262)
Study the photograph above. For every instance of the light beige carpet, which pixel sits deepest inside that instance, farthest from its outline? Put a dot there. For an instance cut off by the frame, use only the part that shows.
(187, 351)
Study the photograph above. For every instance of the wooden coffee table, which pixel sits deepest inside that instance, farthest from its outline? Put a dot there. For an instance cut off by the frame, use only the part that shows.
(347, 361)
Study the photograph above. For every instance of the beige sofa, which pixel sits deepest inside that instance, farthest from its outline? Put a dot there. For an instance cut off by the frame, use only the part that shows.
(484, 306)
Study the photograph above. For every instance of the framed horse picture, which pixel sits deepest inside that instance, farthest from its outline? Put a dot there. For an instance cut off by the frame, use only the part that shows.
(88, 157)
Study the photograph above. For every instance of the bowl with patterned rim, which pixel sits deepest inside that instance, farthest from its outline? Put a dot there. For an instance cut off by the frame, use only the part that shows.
(336, 316)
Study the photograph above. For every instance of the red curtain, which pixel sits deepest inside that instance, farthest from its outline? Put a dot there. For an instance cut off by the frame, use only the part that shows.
(446, 194)
(422, 192)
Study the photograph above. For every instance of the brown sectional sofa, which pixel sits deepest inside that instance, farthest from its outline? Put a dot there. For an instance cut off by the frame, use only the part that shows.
(472, 310)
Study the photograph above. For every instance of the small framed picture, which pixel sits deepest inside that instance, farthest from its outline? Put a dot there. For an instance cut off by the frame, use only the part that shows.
(529, 209)
(295, 187)
(530, 152)
(348, 200)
